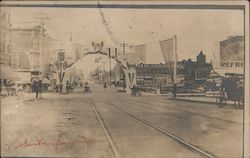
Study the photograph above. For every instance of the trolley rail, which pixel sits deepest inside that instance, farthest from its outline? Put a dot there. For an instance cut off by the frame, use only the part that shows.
(113, 147)
(186, 144)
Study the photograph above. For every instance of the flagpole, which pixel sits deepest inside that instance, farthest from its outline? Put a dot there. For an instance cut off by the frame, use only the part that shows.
(175, 60)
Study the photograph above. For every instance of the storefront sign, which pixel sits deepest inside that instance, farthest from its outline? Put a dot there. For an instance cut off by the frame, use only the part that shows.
(235, 64)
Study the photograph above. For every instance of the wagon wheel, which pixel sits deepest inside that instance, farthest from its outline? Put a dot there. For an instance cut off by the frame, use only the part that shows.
(239, 103)
(221, 99)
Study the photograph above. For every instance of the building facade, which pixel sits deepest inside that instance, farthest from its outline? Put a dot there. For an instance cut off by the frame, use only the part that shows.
(156, 75)
(5, 40)
(26, 47)
(188, 73)
(6, 73)
(231, 58)
(196, 72)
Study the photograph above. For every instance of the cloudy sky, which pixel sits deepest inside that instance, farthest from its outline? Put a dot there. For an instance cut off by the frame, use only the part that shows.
(196, 30)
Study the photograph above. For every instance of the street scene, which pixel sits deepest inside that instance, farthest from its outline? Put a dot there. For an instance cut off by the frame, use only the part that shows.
(105, 82)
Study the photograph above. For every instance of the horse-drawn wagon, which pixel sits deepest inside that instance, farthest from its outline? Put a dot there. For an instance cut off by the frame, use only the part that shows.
(231, 89)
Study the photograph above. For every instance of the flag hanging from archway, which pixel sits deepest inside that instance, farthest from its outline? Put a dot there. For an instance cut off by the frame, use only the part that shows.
(169, 51)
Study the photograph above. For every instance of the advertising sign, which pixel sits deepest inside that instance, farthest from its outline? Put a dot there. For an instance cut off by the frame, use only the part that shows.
(231, 64)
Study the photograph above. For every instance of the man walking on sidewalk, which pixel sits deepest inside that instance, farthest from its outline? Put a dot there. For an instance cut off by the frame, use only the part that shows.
(105, 85)
(174, 90)
(35, 87)
(40, 87)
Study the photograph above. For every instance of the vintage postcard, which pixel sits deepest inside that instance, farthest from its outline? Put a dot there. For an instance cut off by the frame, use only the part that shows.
(124, 79)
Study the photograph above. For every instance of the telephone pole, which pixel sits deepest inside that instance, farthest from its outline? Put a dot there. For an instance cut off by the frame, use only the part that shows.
(116, 67)
(109, 67)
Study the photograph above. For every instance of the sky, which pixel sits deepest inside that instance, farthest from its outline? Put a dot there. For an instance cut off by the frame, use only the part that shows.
(196, 30)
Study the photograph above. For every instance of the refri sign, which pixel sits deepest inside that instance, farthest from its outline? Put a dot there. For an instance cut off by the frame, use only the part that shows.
(232, 64)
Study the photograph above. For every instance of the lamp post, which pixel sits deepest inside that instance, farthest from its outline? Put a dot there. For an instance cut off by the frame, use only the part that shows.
(109, 51)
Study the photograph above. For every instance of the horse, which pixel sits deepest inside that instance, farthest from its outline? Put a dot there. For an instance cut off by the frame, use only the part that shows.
(233, 89)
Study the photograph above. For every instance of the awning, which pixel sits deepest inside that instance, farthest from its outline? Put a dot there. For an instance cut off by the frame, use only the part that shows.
(7, 73)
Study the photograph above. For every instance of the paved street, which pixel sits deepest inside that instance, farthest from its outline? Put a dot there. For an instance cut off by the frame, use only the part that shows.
(112, 124)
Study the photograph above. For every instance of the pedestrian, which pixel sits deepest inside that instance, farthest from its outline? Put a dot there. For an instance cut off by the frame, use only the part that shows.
(133, 92)
(105, 85)
(174, 90)
(35, 87)
(40, 87)
(67, 86)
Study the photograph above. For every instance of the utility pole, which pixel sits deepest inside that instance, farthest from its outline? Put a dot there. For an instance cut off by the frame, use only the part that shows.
(110, 67)
(175, 67)
(116, 68)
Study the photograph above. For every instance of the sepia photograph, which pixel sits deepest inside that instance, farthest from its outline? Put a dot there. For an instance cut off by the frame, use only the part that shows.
(124, 79)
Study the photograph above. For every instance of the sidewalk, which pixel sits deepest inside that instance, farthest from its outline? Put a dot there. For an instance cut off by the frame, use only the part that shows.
(12, 100)
(200, 99)
(9, 100)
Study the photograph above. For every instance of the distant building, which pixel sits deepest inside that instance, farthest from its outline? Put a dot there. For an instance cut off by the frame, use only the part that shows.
(197, 72)
(27, 45)
(156, 75)
(5, 45)
(6, 73)
(231, 56)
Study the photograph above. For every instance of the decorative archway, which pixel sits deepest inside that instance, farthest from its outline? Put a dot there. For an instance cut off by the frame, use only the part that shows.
(129, 72)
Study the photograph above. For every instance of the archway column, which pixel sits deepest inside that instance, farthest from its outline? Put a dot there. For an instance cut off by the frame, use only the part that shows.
(130, 78)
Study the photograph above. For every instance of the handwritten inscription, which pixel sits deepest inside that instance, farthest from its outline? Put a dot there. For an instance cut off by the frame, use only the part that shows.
(43, 142)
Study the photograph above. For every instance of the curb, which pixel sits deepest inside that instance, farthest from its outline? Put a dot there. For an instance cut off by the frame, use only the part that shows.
(197, 101)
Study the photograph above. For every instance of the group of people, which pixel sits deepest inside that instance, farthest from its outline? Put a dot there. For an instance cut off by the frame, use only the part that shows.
(86, 87)
(11, 90)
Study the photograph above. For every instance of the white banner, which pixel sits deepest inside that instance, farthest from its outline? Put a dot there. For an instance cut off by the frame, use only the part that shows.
(140, 53)
(168, 48)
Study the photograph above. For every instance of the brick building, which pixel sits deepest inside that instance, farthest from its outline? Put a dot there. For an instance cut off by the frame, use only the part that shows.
(231, 58)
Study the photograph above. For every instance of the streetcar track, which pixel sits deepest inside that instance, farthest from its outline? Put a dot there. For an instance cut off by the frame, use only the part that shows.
(171, 108)
(186, 144)
(113, 147)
